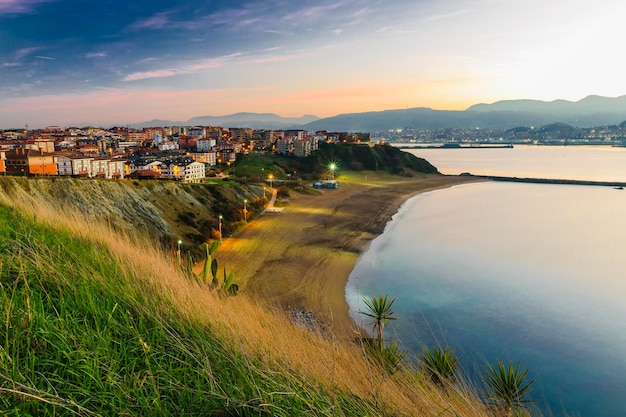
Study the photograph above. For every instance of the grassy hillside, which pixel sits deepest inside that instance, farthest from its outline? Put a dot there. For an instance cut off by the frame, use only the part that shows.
(94, 323)
(347, 157)
(162, 211)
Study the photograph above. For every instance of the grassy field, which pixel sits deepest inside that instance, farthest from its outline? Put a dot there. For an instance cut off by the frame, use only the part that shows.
(97, 323)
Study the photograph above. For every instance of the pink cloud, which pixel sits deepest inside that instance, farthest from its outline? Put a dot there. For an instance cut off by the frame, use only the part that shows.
(149, 74)
(276, 58)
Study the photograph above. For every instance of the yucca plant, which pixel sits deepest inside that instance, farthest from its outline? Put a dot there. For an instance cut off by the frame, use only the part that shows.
(440, 365)
(391, 356)
(208, 275)
(508, 389)
(379, 310)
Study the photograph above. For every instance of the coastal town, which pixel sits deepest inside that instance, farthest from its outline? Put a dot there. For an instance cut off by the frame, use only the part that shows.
(550, 134)
(181, 153)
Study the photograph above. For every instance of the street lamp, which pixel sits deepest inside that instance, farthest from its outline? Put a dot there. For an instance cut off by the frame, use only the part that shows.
(332, 167)
(245, 211)
(271, 178)
(220, 228)
(180, 242)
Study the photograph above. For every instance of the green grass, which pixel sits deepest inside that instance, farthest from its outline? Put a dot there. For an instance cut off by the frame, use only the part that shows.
(80, 336)
(94, 323)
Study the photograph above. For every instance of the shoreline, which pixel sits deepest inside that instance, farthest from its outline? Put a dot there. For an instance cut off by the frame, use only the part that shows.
(300, 260)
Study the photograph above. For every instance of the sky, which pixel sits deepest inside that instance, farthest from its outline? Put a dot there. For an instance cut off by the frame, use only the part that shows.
(113, 62)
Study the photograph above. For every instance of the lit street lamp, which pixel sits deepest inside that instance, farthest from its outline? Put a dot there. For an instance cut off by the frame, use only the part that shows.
(245, 211)
(178, 251)
(332, 167)
(220, 228)
(271, 178)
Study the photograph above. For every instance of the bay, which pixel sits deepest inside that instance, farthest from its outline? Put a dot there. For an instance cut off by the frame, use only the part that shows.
(521, 272)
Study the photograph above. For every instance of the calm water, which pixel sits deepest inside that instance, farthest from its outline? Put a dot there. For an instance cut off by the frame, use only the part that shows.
(523, 272)
(592, 163)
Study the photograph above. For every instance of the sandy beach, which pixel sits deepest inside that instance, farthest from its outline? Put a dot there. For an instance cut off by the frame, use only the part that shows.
(300, 259)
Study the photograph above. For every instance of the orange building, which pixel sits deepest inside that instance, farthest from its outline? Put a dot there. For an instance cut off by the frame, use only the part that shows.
(30, 162)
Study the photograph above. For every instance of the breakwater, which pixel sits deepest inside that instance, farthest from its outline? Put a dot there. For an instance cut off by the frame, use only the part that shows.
(617, 184)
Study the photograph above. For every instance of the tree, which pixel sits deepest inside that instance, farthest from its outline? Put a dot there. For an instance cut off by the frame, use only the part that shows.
(379, 310)
(508, 391)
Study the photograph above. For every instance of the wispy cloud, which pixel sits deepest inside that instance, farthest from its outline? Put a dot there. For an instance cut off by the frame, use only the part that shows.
(48, 58)
(181, 70)
(149, 74)
(24, 52)
(96, 55)
(19, 6)
(20, 54)
(444, 16)
(158, 21)
(275, 58)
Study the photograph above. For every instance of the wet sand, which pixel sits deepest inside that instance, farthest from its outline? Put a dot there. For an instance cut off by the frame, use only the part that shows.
(301, 258)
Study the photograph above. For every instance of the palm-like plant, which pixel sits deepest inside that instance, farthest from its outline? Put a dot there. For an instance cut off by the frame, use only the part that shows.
(439, 364)
(379, 310)
(508, 388)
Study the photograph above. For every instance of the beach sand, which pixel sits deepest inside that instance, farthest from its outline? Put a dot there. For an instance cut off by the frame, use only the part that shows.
(301, 258)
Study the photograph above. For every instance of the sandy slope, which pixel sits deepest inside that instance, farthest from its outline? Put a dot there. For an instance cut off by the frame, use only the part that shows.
(301, 258)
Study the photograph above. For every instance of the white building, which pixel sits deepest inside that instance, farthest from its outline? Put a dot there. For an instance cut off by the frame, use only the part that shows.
(91, 167)
(169, 145)
(74, 165)
(203, 145)
(184, 170)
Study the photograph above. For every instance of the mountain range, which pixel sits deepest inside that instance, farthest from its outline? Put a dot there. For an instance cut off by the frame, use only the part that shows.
(588, 112)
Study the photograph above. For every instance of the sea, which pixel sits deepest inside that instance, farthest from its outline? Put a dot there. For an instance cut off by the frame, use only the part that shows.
(528, 273)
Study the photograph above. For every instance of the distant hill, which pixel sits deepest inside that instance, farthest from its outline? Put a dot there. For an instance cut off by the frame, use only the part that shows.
(252, 120)
(590, 111)
(422, 118)
(506, 114)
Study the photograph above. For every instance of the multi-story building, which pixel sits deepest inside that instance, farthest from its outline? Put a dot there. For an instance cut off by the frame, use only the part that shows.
(203, 145)
(30, 162)
(285, 146)
(169, 145)
(101, 167)
(74, 165)
(302, 148)
(108, 168)
(241, 134)
(183, 169)
(208, 157)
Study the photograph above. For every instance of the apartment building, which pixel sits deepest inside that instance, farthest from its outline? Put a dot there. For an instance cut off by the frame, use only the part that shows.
(30, 162)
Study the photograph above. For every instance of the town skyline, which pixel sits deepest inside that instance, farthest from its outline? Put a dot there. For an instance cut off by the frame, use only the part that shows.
(64, 62)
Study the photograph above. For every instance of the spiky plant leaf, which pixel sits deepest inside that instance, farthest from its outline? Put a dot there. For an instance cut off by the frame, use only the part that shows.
(439, 364)
(205, 273)
(508, 389)
(214, 247)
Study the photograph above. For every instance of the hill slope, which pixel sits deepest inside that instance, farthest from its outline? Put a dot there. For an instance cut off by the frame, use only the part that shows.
(98, 324)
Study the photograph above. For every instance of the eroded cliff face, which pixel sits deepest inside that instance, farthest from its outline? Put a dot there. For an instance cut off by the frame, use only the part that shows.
(165, 210)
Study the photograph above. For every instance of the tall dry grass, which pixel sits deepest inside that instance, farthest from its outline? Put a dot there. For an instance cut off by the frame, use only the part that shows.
(262, 335)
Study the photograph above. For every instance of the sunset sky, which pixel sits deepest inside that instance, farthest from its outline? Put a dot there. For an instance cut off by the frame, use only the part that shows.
(66, 62)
